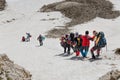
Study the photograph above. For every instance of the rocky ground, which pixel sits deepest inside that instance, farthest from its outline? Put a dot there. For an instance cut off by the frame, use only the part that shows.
(52, 33)
(112, 75)
(2, 4)
(117, 51)
(11, 71)
(81, 11)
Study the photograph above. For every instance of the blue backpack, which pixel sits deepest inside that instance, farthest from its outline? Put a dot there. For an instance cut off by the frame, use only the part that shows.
(43, 38)
(102, 40)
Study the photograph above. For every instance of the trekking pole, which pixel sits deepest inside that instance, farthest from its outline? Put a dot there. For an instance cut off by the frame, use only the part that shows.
(106, 47)
(101, 50)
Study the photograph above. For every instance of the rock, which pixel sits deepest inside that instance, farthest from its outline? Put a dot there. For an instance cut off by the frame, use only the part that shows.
(11, 71)
(66, 5)
(2, 4)
(112, 75)
(49, 7)
(117, 51)
(81, 11)
(55, 33)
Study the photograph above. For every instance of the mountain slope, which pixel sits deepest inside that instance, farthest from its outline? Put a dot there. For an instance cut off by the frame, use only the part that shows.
(45, 63)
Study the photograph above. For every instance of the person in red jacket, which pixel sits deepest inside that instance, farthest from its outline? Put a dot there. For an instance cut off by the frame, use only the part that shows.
(85, 44)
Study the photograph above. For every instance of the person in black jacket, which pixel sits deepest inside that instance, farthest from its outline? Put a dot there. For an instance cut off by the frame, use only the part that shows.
(40, 39)
(78, 46)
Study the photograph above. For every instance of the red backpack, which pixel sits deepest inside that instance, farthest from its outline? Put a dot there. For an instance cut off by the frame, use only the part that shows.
(23, 39)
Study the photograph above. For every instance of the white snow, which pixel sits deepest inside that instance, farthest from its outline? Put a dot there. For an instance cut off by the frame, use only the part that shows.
(44, 62)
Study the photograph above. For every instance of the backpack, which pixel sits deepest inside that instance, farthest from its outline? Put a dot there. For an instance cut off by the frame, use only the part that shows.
(43, 38)
(101, 40)
(28, 34)
(23, 39)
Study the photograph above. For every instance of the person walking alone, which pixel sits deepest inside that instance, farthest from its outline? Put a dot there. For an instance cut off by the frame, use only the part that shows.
(40, 39)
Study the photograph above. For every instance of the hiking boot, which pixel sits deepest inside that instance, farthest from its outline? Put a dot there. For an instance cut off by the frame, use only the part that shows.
(97, 55)
(64, 51)
(93, 57)
(68, 53)
(84, 59)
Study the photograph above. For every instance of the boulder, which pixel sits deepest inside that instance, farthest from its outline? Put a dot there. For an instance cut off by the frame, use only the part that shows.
(117, 51)
(112, 75)
(2, 4)
(81, 11)
(11, 71)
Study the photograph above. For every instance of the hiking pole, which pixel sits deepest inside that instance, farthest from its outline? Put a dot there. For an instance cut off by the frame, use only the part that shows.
(101, 50)
(106, 47)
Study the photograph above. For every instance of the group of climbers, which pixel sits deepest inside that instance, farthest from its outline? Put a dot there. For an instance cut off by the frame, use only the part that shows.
(27, 39)
(77, 42)
(81, 43)
(40, 38)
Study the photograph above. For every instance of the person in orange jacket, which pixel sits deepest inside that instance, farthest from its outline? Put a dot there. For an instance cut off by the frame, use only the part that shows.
(97, 38)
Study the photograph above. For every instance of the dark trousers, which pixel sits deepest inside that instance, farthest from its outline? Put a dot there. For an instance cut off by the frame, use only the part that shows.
(95, 48)
(41, 42)
(67, 49)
